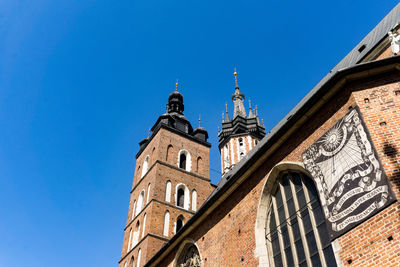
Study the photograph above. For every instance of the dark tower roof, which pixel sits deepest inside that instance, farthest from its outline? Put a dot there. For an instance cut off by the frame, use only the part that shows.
(241, 124)
(175, 121)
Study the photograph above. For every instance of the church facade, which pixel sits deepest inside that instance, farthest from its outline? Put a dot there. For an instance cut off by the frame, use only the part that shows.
(320, 189)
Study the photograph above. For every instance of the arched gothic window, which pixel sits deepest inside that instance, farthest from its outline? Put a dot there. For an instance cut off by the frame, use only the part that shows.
(189, 256)
(181, 198)
(136, 235)
(138, 257)
(199, 163)
(179, 223)
(194, 200)
(169, 153)
(168, 191)
(148, 194)
(241, 148)
(166, 223)
(140, 203)
(133, 209)
(132, 264)
(144, 224)
(145, 165)
(296, 229)
(130, 240)
(240, 142)
(184, 161)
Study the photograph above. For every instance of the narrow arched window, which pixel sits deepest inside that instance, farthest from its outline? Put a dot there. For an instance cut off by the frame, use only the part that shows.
(144, 224)
(296, 231)
(194, 200)
(168, 157)
(240, 142)
(132, 264)
(136, 235)
(168, 191)
(130, 240)
(138, 257)
(166, 223)
(153, 159)
(179, 224)
(145, 165)
(148, 194)
(181, 198)
(182, 161)
(133, 209)
(199, 163)
(126, 264)
(139, 206)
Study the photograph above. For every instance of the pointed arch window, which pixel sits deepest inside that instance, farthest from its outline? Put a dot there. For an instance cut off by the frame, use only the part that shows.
(181, 197)
(145, 165)
(133, 209)
(296, 229)
(168, 157)
(194, 200)
(179, 223)
(168, 191)
(140, 203)
(148, 193)
(184, 160)
(132, 264)
(138, 257)
(199, 163)
(136, 235)
(166, 223)
(144, 224)
(130, 240)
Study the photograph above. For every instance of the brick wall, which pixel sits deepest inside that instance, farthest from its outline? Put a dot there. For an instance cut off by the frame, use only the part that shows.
(227, 236)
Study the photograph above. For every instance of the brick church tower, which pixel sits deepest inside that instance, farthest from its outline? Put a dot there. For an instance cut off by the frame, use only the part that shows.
(239, 134)
(171, 181)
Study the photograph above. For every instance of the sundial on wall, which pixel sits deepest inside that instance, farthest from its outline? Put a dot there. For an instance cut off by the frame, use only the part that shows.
(350, 179)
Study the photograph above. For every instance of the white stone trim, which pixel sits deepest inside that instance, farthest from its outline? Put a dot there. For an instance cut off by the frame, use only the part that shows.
(186, 203)
(188, 159)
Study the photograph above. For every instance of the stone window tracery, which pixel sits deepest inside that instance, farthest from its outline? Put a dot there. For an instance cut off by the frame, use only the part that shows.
(296, 229)
(190, 257)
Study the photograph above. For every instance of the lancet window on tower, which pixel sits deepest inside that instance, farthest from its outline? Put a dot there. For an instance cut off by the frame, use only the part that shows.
(166, 223)
(184, 161)
(179, 223)
(181, 198)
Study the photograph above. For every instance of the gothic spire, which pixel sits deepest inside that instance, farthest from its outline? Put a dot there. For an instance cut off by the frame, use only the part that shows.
(227, 119)
(251, 114)
(237, 98)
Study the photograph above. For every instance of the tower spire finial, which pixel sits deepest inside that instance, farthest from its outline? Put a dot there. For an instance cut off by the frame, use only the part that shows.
(249, 103)
(176, 85)
(236, 82)
(256, 110)
(199, 120)
(226, 107)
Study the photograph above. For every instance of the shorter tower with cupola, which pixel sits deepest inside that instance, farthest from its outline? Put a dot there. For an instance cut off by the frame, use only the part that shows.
(239, 134)
(171, 181)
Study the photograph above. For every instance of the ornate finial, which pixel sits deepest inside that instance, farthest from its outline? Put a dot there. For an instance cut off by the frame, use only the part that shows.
(256, 110)
(249, 103)
(226, 107)
(223, 116)
(236, 82)
(199, 120)
(176, 85)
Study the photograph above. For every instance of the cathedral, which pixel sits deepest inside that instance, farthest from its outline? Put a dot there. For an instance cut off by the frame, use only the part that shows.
(320, 189)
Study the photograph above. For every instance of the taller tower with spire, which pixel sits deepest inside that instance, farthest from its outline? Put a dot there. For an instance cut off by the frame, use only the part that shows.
(171, 181)
(240, 133)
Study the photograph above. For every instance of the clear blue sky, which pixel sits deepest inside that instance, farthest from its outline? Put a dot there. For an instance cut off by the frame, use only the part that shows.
(82, 81)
